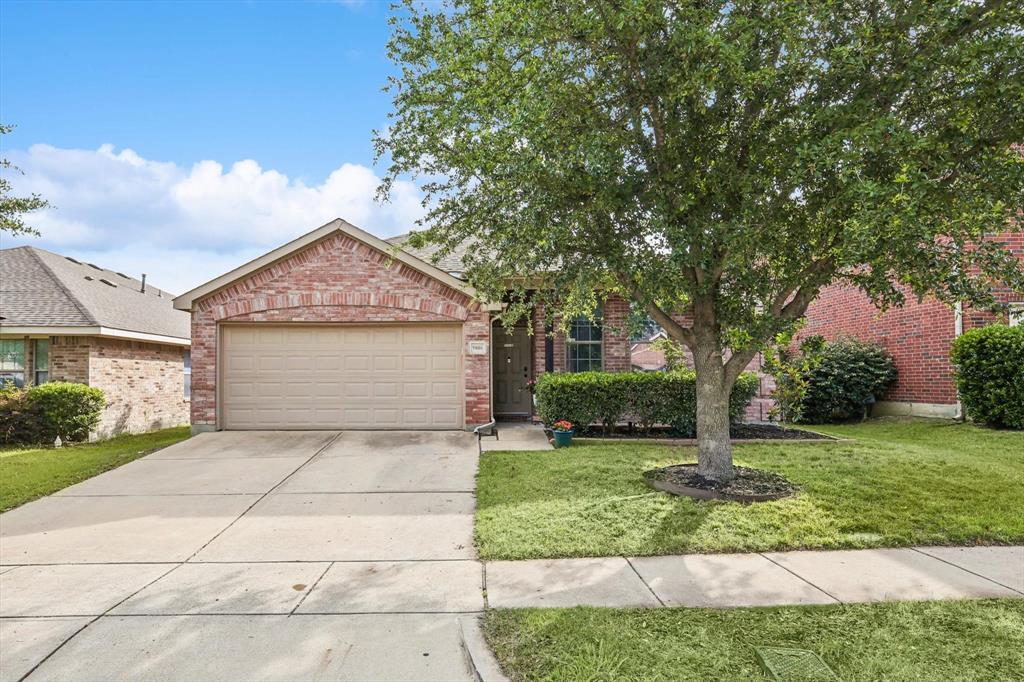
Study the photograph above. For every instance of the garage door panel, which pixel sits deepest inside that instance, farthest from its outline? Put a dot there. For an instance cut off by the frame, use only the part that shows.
(329, 377)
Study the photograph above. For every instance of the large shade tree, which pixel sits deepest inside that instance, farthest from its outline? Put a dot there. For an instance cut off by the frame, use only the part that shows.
(718, 162)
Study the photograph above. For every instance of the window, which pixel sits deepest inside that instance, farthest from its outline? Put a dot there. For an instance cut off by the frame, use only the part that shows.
(188, 374)
(12, 361)
(41, 361)
(583, 346)
(1017, 314)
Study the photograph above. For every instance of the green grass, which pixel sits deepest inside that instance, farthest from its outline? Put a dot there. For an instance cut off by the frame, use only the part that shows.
(30, 473)
(941, 641)
(899, 483)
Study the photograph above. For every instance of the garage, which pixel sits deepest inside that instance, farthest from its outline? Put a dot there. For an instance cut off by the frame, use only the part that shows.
(341, 376)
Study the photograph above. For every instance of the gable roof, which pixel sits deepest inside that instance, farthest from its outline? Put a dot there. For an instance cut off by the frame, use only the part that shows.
(41, 292)
(185, 301)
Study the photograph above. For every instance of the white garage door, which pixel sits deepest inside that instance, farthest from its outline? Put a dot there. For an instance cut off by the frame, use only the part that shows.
(277, 376)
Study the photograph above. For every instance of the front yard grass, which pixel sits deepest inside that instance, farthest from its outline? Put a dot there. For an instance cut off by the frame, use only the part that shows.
(30, 473)
(941, 641)
(899, 483)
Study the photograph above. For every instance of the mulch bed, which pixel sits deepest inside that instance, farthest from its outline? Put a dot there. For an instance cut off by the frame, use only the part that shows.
(750, 485)
(736, 432)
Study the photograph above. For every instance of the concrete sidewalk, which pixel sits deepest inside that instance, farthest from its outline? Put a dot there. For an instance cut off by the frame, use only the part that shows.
(769, 579)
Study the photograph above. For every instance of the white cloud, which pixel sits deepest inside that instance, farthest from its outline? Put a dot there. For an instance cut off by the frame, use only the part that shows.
(185, 226)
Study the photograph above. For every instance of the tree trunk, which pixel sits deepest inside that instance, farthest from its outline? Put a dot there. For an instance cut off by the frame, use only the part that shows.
(714, 450)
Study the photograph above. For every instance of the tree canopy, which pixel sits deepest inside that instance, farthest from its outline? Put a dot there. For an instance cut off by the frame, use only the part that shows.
(722, 159)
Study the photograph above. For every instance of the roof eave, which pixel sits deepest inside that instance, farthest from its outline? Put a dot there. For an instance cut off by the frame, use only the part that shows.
(92, 330)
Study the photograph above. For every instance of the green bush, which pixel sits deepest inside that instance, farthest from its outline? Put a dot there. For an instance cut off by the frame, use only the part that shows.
(843, 379)
(646, 398)
(20, 421)
(990, 375)
(66, 409)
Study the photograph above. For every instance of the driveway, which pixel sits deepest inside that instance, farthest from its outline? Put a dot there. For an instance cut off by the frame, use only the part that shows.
(250, 555)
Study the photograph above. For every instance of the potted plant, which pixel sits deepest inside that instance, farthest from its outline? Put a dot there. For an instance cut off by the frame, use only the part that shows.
(563, 431)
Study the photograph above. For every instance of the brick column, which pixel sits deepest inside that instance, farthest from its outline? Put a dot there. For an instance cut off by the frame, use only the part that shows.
(477, 369)
(616, 335)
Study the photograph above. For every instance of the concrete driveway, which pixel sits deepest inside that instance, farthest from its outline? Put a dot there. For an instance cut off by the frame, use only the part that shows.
(250, 555)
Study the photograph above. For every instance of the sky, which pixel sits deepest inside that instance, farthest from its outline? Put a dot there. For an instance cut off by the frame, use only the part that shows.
(182, 139)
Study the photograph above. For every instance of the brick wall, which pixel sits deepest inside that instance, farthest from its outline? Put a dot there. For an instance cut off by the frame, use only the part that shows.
(338, 279)
(143, 384)
(918, 334)
(69, 359)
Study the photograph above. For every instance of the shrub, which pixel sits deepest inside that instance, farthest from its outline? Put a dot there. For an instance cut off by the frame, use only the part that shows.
(20, 420)
(843, 379)
(66, 409)
(647, 398)
(990, 375)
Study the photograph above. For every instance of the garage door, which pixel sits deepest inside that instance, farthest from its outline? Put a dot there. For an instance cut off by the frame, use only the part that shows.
(341, 377)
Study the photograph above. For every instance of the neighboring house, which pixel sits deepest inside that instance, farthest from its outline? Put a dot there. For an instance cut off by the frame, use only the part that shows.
(64, 320)
(918, 335)
(644, 357)
(339, 329)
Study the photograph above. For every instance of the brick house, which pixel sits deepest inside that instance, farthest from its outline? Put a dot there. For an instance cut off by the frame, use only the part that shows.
(918, 335)
(64, 320)
(340, 329)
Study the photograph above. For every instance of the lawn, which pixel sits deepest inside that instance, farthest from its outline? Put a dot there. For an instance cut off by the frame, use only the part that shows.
(900, 482)
(30, 473)
(941, 641)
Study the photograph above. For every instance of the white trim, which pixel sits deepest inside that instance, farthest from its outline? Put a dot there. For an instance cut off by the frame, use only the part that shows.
(108, 332)
(185, 301)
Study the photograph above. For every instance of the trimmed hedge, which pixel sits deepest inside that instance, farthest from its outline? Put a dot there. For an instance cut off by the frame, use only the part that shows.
(41, 413)
(845, 377)
(990, 375)
(646, 398)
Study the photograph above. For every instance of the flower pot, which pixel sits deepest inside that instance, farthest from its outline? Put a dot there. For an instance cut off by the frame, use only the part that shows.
(563, 439)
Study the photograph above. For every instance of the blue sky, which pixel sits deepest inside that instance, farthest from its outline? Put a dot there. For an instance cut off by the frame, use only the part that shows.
(151, 126)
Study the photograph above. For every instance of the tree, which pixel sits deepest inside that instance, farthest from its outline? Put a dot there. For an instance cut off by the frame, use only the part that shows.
(11, 207)
(718, 162)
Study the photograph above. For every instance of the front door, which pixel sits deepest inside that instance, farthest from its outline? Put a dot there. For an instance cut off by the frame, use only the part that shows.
(511, 371)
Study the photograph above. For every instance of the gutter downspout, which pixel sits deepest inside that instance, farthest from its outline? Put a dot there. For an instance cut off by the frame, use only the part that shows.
(958, 331)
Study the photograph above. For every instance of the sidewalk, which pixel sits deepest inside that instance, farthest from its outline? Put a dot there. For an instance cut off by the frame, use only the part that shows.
(769, 579)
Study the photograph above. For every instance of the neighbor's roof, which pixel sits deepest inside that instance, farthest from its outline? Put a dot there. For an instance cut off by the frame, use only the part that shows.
(41, 289)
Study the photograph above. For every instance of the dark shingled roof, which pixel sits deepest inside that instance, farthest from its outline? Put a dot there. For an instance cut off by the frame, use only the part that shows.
(39, 288)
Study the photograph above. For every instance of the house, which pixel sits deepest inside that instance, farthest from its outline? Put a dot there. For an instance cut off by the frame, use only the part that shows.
(339, 329)
(918, 335)
(645, 357)
(65, 320)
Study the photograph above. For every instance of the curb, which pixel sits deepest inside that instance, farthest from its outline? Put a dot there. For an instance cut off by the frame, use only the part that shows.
(482, 663)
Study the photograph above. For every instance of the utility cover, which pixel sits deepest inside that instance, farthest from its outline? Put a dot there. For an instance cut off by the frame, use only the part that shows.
(794, 665)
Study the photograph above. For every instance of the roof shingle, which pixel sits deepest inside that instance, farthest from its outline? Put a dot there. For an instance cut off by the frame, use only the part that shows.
(43, 289)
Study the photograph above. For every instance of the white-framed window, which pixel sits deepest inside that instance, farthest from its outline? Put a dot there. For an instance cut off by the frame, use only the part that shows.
(1016, 317)
(41, 361)
(188, 374)
(12, 361)
(584, 345)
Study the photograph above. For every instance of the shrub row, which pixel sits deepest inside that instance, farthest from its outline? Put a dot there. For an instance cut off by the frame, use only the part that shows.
(990, 375)
(40, 413)
(645, 398)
